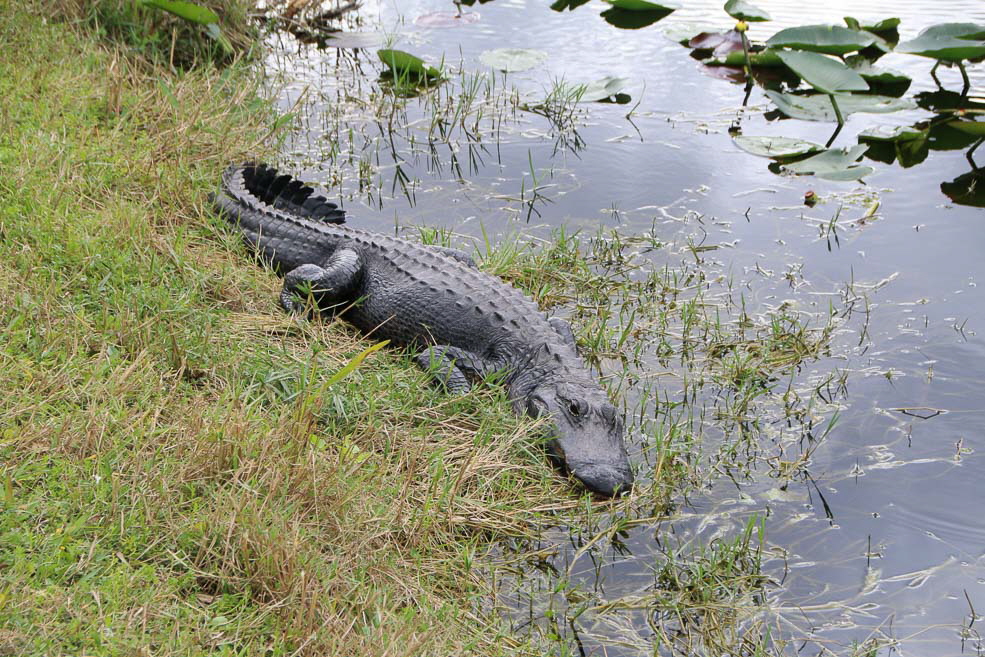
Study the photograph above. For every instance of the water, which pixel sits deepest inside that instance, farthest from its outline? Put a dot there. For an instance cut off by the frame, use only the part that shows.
(877, 534)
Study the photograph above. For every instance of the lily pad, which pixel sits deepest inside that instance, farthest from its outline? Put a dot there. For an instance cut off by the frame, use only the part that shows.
(513, 59)
(976, 128)
(874, 75)
(599, 90)
(823, 73)
(405, 65)
(833, 164)
(974, 31)
(948, 42)
(355, 40)
(885, 25)
(967, 189)
(745, 11)
(643, 5)
(892, 133)
(764, 58)
(908, 145)
(777, 148)
(720, 43)
(633, 19)
(682, 33)
(439, 19)
(827, 39)
(944, 137)
(886, 29)
(818, 107)
(561, 5)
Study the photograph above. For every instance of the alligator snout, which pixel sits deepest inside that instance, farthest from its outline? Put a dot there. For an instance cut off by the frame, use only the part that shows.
(604, 479)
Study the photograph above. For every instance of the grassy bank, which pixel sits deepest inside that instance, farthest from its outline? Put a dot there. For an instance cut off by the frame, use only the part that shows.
(179, 473)
(185, 470)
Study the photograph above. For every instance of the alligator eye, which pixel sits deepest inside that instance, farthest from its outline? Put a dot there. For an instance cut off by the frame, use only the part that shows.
(574, 408)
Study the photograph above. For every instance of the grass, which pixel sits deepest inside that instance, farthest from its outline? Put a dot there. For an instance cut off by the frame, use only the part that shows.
(187, 471)
(178, 475)
(162, 37)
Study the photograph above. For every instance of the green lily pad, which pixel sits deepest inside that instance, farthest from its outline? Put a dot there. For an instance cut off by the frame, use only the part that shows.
(561, 5)
(818, 107)
(777, 148)
(892, 133)
(870, 73)
(513, 59)
(884, 25)
(823, 73)
(827, 39)
(718, 43)
(355, 39)
(764, 59)
(682, 33)
(187, 10)
(886, 29)
(596, 91)
(976, 128)
(944, 137)
(632, 19)
(404, 65)
(974, 31)
(833, 164)
(909, 145)
(948, 42)
(643, 5)
(745, 11)
(967, 189)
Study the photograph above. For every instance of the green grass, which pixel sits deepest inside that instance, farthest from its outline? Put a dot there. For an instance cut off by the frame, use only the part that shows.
(180, 470)
(161, 37)
(178, 477)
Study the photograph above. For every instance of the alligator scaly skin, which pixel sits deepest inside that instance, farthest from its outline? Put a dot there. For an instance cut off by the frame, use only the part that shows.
(464, 323)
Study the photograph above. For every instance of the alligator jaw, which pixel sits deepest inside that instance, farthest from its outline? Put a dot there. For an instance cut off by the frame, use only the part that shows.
(604, 479)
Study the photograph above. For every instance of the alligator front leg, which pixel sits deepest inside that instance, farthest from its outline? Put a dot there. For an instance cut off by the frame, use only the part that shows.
(330, 285)
(453, 368)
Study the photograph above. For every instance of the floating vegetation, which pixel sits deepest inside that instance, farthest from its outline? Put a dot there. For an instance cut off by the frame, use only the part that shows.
(833, 164)
(408, 73)
(512, 60)
(777, 148)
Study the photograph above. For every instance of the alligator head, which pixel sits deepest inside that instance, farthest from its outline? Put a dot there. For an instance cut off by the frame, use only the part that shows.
(586, 434)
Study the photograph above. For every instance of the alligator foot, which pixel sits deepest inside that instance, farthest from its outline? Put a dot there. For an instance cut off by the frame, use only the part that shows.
(331, 285)
(452, 368)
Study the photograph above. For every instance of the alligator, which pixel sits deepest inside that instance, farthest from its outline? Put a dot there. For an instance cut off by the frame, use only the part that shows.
(464, 324)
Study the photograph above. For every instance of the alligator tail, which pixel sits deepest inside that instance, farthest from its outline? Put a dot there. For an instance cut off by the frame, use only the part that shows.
(249, 183)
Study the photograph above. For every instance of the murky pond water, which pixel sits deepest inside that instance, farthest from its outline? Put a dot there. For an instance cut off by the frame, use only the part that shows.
(864, 461)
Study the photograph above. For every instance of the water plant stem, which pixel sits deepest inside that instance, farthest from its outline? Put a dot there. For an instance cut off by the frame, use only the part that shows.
(964, 78)
(834, 104)
(745, 51)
